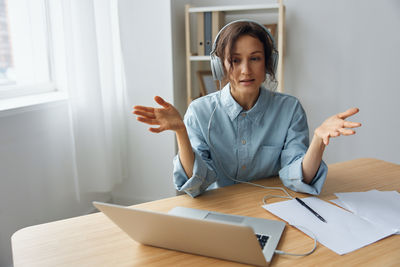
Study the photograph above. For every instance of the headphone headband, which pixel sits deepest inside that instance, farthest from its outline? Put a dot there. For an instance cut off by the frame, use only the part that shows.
(216, 64)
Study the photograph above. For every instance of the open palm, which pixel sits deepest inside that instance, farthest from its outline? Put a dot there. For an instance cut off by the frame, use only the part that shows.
(337, 125)
(167, 117)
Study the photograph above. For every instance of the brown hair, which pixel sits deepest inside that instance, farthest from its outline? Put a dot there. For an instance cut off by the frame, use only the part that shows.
(231, 34)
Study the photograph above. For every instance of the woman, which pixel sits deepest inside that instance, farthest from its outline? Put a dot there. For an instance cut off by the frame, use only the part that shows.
(246, 132)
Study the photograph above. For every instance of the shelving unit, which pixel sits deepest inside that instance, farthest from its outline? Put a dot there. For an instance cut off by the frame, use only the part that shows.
(262, 13)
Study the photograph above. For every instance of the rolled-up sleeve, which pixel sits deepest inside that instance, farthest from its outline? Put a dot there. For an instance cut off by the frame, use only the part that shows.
(201, 179)
(292, 177)
(292, 156)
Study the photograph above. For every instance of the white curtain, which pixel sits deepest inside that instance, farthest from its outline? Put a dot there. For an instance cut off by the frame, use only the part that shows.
(96, 87)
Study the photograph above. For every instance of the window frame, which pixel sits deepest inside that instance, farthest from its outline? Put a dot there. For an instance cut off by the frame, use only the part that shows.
(9, 91)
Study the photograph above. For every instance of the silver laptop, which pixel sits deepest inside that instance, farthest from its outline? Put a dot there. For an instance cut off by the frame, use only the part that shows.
(230, 237)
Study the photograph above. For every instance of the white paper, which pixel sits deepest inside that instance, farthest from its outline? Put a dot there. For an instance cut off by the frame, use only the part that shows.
(339, 203)
(381, 207)
(343, 232)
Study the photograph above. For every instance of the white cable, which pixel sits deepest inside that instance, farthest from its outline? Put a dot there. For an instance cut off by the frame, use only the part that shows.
(280, 252)
(227, 175)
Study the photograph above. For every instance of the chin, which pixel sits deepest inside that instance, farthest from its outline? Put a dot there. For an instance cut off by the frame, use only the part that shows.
(249, 89)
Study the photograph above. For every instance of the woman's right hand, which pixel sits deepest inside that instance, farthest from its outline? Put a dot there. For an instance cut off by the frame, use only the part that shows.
(167, 117)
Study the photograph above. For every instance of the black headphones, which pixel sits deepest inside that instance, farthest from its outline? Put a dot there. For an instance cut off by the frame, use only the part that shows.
(217, 66)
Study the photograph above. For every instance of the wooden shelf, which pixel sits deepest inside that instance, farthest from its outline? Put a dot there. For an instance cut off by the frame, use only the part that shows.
(200, 58)
(233, 8)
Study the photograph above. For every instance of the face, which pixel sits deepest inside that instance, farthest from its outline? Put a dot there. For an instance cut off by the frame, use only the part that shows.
(248, 65)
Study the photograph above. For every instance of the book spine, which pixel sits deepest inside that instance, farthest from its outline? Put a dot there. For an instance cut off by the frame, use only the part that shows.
(207, 33)
(217, 23)
(200, 34)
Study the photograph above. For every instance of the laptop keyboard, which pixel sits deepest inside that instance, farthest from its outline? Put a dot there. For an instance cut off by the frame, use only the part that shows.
(262, 239)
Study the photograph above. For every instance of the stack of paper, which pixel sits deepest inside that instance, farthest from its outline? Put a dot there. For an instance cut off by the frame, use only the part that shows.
(380, 207)
(343, 231)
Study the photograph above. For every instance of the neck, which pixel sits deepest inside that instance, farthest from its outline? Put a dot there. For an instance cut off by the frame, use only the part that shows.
(246, 100)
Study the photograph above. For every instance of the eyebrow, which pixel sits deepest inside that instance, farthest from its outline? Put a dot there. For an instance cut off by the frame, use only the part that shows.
(255, 52)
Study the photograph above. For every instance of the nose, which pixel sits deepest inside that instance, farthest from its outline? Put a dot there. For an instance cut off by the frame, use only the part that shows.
(246, 68)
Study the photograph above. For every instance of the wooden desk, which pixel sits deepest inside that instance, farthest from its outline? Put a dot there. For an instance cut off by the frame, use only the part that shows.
(93, 240)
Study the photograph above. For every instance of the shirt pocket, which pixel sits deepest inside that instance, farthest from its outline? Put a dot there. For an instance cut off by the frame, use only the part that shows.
(268, 160)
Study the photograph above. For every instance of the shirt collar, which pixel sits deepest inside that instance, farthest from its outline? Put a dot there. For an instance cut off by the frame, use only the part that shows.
(233, 109)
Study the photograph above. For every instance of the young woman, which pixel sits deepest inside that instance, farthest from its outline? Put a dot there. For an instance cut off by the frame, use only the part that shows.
(246, 132)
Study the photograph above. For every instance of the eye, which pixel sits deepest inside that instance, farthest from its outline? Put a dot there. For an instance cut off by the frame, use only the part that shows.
(235, 60)
(255, 58)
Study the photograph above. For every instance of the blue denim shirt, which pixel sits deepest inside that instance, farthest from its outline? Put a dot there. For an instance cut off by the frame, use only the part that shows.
(229, 142)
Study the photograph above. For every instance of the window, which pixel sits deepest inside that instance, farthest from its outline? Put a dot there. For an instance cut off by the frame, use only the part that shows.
(25, 58)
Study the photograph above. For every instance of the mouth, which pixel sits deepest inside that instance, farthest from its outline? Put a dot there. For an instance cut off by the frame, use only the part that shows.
(246, 81)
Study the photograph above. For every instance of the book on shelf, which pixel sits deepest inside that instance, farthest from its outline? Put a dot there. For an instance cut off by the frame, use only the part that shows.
(200, 34)
(208, 26)
(217, 22)
(207, 33)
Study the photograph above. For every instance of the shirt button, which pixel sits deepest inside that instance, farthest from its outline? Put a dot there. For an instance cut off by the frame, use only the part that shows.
(243, 114)
(243, 142)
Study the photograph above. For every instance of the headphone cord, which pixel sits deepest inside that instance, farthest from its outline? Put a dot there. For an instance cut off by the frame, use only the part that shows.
(280, 252)
(258, 185)
(223, 169)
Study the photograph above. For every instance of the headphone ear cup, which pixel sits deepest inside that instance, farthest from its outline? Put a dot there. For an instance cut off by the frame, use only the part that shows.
(217, 68)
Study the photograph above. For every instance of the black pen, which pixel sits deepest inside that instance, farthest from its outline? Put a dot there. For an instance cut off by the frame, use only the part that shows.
(310, 209)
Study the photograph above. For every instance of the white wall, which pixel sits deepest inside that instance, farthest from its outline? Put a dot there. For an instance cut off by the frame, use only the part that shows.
(342, 54)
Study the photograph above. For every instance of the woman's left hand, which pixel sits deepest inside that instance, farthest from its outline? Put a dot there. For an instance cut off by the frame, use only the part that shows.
(337, 125)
